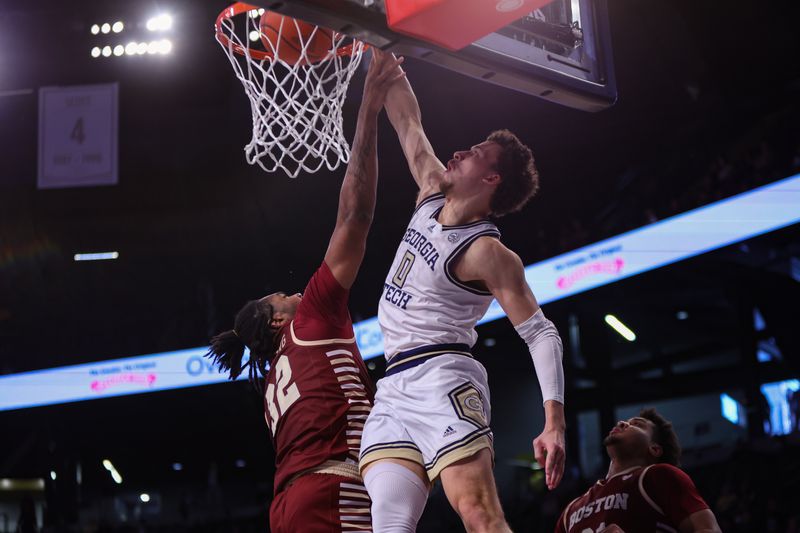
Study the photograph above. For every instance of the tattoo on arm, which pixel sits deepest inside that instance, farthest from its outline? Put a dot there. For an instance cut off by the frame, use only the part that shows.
(358, 194)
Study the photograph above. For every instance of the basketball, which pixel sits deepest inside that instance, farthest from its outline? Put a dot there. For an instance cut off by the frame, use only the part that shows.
(286, 42)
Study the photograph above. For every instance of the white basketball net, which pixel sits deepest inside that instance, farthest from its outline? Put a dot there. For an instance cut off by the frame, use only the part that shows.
(297, 108)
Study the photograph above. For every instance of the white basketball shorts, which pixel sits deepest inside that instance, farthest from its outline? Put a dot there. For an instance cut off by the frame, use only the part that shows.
(434, 413)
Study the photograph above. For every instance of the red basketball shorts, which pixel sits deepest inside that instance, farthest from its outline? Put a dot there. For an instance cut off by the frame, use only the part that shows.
(321, 503)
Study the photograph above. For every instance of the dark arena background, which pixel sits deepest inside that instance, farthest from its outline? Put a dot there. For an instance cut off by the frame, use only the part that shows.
(651, 214)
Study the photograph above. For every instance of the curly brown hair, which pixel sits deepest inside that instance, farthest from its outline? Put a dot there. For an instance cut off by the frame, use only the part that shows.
(664, 435)
(520, 178)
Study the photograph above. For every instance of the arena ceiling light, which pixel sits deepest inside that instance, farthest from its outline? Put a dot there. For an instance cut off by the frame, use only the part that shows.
(620, 328)
(115, 475)
(107, 27)
(144, 497)
(161, 47)
(97, 256)
(160, 22)
(17, 484)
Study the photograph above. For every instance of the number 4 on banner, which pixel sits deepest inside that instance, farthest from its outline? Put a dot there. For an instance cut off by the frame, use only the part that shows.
(77, 132)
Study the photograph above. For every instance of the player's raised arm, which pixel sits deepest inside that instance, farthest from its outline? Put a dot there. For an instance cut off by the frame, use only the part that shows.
(357, 196)
(404, 113)
(501, 270)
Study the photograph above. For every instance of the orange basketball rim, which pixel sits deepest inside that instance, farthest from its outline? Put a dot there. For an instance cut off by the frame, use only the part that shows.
(240, 8)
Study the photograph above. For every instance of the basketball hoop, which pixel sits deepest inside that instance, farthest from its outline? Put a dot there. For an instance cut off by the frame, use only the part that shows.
(296, 81)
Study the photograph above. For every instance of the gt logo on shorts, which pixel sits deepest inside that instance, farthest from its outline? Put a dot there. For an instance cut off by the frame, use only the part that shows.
(468, 404)
(473, 402)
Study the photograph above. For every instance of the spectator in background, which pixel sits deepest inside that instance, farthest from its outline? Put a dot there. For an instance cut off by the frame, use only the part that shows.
(27, 516)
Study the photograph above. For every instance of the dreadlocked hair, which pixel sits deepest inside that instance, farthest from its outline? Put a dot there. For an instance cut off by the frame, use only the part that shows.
(664, 435)
(251, 330)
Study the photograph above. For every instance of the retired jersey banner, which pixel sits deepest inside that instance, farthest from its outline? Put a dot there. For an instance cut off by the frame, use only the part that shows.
(78, 130)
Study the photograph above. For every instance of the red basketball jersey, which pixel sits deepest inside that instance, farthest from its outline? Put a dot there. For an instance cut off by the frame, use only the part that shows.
(318, 393)
(656, 498)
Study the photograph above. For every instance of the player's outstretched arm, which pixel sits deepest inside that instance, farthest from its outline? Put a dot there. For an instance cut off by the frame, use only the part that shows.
(404, 114)
(501, 270)
(357, 196)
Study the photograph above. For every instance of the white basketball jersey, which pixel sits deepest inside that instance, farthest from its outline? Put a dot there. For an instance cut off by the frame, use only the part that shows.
(422, 302)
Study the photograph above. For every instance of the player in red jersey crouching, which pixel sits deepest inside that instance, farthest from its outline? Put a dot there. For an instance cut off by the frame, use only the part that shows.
(317, 390)
(644, 490)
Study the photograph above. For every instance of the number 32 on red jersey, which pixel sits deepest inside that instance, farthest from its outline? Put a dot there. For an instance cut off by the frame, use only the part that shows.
(282, 394)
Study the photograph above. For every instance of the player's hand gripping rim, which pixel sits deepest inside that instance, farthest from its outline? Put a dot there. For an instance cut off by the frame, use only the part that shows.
(384, 70)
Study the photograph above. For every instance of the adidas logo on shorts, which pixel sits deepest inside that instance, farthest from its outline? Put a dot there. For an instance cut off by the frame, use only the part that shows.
(449, 431)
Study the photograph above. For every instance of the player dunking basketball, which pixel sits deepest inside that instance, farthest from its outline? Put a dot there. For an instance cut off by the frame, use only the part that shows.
(317, 391)
(644, 489)
(431, 413)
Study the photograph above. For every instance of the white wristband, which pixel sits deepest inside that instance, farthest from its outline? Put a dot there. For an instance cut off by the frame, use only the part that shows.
(543, 341)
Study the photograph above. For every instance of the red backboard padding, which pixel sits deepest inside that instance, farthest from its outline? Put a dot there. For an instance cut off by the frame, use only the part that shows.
(453, 24)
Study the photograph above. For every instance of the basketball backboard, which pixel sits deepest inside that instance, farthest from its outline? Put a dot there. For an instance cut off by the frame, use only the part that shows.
(560, 52)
